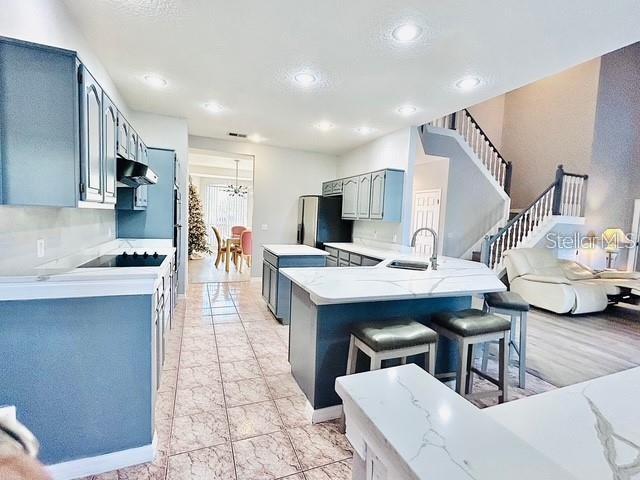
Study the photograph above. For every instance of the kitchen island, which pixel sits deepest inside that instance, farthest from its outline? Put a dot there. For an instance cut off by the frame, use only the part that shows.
(327, 302)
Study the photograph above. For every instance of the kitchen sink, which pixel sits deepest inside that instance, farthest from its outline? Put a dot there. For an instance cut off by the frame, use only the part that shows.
(406, 265)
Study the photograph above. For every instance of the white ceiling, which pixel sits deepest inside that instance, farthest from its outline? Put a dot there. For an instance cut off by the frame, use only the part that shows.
(204, 158)
(243, 54)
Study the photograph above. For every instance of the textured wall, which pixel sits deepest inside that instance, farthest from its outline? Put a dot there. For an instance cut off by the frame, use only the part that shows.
(548, 123)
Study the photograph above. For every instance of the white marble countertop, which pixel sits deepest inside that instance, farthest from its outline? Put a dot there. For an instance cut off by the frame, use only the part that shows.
(282, 250)
(591, 428)
(454, 277)
(425, 430)
(61, 278)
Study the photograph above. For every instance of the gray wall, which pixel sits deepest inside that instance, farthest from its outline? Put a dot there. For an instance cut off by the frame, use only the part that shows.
(64, 230)
(614, 176)
(548, 123)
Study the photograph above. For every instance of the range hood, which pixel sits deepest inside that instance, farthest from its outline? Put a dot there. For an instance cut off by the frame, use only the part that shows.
(133, 174)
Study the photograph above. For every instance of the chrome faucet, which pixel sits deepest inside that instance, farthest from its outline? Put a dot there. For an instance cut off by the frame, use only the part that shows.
(434, 251)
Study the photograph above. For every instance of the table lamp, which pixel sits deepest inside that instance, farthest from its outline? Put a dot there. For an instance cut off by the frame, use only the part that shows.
(613, 238)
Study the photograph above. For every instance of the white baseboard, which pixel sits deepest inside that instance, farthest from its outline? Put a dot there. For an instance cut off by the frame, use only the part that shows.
(325, 414)
(103, 463)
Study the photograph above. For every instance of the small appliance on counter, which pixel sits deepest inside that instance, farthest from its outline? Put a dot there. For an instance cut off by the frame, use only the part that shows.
(320, 220)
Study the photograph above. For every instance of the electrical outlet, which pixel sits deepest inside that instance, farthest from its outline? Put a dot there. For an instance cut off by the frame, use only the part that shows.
(110, 232)
(40, 248)
(264, 227)
(395, 238)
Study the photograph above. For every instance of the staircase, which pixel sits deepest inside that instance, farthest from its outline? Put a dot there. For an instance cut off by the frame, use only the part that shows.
(562, 202)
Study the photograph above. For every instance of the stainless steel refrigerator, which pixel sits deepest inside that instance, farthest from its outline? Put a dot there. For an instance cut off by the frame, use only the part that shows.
(320, 221)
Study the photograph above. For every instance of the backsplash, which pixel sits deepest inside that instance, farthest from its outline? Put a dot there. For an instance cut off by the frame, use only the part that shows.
(386, 232)
(64, 230)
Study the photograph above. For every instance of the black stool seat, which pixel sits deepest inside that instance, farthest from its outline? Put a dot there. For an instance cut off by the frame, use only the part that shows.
(394, 334)
(507, 301)
(471, 322)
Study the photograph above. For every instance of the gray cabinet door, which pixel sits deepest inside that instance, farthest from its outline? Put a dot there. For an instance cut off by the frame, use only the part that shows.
(123, 136)
(266, 281)
(91, 138)
(364, 195)
(133, 144)
(273, 289)
(377, 195)
(350, 198)
(110, 137)
(140, 201)
(327, 188)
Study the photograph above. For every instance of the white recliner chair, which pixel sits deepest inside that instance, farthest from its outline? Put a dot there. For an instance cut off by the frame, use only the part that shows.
(562, 286)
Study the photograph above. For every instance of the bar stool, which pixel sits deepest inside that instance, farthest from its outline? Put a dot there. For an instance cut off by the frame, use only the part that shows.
(468, 328)
(513, 305)
(397, 338)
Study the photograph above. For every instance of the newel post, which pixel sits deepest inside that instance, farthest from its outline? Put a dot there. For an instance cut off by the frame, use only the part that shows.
(508, 171)
(452, 121)
(557, 193)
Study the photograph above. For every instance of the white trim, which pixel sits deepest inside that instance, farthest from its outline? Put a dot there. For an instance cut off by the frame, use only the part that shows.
(633, 252)
(325, 414)
(103, 463)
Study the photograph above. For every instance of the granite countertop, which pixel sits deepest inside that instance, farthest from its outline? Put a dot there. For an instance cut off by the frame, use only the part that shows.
(61, 278)
(454, 277)
(434, 432)
(592, 428)
(282, 250)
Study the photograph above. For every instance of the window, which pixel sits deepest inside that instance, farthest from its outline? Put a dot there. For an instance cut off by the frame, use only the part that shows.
(223, 210)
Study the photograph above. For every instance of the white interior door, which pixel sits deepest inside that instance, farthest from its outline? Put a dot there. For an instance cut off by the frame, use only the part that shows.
(426, 213)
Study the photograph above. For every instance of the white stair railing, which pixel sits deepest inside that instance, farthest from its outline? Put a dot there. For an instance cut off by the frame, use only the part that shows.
(464, 123)
(565, 196)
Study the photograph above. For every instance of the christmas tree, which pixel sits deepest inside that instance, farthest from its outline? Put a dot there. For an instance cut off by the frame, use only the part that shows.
(197, 228)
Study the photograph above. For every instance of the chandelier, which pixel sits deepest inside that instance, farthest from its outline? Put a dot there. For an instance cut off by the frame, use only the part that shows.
(236, 190)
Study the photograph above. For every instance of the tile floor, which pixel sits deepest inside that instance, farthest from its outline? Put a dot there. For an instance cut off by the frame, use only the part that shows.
(228, 407)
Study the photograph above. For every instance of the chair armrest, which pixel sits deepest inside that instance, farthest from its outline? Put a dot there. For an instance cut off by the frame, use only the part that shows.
(619, 275)
(545, 279)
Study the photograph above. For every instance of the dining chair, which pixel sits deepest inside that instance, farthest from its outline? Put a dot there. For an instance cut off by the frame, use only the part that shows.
(236, 230)
(221, 249)
(246, 243)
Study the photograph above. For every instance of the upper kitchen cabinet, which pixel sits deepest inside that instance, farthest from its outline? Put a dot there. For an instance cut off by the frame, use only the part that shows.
(60, 134)
(386, 195)
(39, 134)
(364, 196)
(350, 198)
(91, 138)
(371, 196)
(110, 136)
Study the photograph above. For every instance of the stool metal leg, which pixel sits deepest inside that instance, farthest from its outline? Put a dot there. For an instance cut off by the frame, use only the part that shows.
(485, 355)
(503, 366)
(431, 359)
(512, 337)
(461, 378)
(376, 363)
(468, 388)
(403, 360)
(522, 360)
(353, 356)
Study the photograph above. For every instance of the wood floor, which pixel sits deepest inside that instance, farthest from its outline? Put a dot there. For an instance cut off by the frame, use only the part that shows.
(568, 349)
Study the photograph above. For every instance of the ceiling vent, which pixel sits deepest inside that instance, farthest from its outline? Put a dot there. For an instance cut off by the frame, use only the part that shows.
(237, 135)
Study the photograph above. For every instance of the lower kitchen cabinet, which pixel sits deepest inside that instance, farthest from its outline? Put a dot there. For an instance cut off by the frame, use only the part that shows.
(276, 288)
(343, 258)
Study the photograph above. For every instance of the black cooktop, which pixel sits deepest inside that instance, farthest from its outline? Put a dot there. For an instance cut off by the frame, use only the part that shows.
(126, 260)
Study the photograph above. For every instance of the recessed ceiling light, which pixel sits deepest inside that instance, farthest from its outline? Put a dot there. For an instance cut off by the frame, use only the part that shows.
(213, 107)
(324, 126)
(305, 79)
(364, 130)
(256, 138)
(468, 83)
(155, 80)
(406, 33)
(407, 110)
